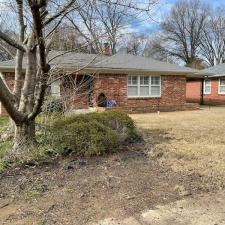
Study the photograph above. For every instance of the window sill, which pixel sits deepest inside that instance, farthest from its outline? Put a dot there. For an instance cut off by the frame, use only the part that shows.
(149, 97)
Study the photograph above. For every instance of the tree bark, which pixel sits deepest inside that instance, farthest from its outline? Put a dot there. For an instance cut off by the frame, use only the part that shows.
(24, 137)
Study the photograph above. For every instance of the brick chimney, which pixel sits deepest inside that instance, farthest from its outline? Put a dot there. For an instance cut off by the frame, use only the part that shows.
(106, 49)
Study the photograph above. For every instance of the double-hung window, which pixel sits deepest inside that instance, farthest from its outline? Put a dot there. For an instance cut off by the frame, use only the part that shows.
(144, 86)
(221, 86)
(207, 87)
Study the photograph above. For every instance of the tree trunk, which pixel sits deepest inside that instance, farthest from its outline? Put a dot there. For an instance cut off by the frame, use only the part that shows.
(24, 137)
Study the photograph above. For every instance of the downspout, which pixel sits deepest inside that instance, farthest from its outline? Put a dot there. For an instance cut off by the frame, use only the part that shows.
(202, 92)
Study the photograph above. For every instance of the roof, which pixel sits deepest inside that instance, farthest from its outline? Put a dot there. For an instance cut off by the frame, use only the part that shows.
(141, 63)
(214, 71)
(124, 63)
(61, 59)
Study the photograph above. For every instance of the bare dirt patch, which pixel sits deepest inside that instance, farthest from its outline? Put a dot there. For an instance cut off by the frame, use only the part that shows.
(79, 191)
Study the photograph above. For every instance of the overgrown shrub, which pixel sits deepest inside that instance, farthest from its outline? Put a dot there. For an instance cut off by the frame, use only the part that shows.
(91, 134)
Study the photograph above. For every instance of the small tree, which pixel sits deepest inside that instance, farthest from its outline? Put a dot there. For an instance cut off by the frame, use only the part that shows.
(37, 21)
(24, 103)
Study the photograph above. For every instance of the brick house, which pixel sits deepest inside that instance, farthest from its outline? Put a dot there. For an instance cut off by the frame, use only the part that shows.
(210, 89)
(124, 82)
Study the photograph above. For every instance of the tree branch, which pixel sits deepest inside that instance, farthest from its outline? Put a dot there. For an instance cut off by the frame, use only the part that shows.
(62, 12)
(11, 42)
(8, 101)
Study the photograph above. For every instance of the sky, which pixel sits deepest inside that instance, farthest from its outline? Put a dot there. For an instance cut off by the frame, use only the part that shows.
(161, 10)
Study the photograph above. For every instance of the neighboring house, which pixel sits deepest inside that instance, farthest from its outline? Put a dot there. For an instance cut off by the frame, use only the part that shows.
(125, 82)
(210, 89)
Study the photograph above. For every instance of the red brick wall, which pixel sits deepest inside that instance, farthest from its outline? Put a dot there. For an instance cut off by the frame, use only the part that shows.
(194, 90)
(214, 97)
(114, 86)
(173, 93)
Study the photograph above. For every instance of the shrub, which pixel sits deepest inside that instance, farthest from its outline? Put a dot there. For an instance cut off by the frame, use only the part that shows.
(91, 134)
(53, 104)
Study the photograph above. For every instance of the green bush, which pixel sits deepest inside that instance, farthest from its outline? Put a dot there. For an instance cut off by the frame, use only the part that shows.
(91, 134)
(53, 105)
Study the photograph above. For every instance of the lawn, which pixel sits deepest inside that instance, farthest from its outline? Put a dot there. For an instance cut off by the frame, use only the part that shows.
(182, 155)
(191, 141)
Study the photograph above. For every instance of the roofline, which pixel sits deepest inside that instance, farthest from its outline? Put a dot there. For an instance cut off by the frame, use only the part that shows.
(121, 70)
(217, 75)
(135, 71)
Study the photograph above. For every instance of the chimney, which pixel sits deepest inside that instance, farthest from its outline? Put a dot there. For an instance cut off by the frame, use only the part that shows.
(106, 49)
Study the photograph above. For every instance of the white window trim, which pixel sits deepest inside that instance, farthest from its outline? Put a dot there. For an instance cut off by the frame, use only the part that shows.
(219, 85)
(150, 85)
(209, 92)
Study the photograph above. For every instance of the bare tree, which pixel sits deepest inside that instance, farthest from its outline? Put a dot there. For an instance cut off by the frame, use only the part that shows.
(213, 39)
(184, 28)
(24, 103)
(134, 44)
(103, 21)
(6, 51)
(37, 22)
(67, 38)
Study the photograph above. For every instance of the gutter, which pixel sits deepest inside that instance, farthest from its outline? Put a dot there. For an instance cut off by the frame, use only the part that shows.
(121, 71)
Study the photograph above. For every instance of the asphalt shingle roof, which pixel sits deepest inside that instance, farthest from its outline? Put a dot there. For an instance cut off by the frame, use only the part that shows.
(62, 59)
(122, 62)
(131, 62)
(218, 70)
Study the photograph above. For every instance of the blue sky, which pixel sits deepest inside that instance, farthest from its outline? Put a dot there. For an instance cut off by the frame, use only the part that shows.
(162, 9)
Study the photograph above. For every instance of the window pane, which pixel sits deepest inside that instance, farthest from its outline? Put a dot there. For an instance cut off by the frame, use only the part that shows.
(144, 80)
(207, 83)
(129, 80)
(222, 82)
(133, 80)
(144, 91)
(155, 81)
(222, 89)
(133, 91)
(155, 90)
(207, 89)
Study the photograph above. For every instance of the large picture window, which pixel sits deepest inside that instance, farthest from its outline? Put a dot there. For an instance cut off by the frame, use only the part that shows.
(207, 87)
(144, 86)
(222, 86)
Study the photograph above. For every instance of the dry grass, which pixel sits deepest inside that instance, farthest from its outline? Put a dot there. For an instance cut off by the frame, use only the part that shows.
(192, 142)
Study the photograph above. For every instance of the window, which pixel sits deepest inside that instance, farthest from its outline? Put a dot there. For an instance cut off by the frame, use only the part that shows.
(55, 89)
(144, 86)
(207, 86)
(221, 86)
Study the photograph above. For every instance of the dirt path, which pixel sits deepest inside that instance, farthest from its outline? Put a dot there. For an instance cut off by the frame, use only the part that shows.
(208, 209)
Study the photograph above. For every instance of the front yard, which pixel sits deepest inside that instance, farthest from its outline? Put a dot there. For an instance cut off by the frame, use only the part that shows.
(190, 142)
(183, 155)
